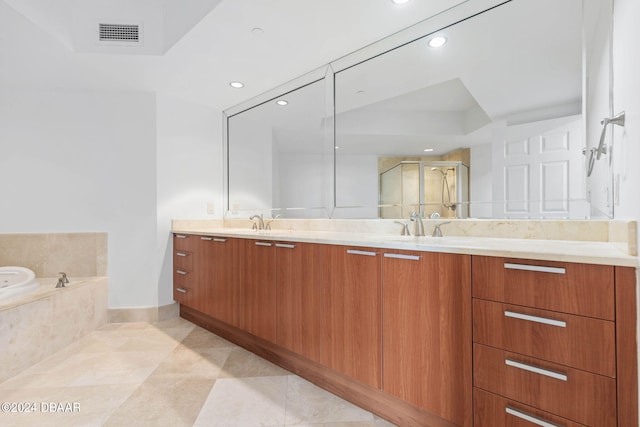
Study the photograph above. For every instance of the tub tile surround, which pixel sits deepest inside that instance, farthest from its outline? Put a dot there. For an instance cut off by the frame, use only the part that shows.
(77, 254)
(589, 241)
(36, 325)
(172, 373)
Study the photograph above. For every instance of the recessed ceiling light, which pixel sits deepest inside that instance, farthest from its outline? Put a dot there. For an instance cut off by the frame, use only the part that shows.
(400, 2)
(236, 85)
(438, 41)
(336, 147)
(428, 150)
(282, 102)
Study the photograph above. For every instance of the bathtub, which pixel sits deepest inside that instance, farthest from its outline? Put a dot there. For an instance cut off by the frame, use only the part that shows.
(16, 281)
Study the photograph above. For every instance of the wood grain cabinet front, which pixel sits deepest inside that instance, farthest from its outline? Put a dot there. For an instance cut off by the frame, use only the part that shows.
(351, 300)
(553, 336)
(582, 289)
(299, 298)
(427, 332)
(494, 411)
(580, 396)
(258, 289)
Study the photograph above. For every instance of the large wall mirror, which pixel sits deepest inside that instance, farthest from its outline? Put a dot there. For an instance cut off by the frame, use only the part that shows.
(486, 115)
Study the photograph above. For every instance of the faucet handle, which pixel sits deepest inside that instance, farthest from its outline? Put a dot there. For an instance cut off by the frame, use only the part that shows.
(405, 228)
(63, 277)
(436, 231)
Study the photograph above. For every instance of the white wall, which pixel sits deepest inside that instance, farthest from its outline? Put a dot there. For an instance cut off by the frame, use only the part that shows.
(81, 161)
(189, 175)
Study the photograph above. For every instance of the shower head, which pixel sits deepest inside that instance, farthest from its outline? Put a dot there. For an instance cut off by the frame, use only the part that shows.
(439, 170)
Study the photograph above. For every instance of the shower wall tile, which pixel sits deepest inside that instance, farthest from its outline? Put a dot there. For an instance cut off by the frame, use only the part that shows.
(77, 254)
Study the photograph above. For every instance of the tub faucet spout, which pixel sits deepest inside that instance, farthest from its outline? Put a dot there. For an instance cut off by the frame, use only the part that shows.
(62, 280)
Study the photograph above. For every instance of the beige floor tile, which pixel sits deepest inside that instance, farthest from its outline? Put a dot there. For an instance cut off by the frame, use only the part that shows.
(242, 363)
(96, 403)
(309, 404)
(245, 402)
(171, 373)
(163, 402)
(194, 363)
(199, 338)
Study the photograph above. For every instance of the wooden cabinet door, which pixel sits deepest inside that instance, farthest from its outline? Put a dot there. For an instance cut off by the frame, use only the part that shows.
(220, 291)
(298, 287)
(351, 331)
(258, 289)
(427, 332)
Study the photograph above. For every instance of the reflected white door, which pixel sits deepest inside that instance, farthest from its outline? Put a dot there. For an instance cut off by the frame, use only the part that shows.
(538, 170)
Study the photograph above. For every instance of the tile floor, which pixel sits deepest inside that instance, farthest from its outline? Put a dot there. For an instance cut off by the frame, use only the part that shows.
(170, 373)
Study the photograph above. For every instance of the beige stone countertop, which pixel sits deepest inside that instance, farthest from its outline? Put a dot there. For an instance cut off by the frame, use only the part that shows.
(604, 253)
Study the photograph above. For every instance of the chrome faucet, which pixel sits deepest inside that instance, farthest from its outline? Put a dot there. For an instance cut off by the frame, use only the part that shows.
(259, 225)
(405, 228)
(436, 231)
(418, 228)
(62, 280)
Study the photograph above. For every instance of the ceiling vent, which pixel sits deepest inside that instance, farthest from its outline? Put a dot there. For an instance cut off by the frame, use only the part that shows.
(120, 34)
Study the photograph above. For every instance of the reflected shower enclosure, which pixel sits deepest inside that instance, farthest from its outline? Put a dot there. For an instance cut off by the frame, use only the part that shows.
(436, 188)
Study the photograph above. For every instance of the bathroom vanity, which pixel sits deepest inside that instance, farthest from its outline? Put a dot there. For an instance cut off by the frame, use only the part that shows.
(424, 332)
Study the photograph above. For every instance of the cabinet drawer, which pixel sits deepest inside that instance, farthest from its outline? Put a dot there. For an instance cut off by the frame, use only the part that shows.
(183, 260)
(491, 410)
(182, 294)
(580, 396)
(184, 242)
(182, 277)
(580, 342)
(583, 289)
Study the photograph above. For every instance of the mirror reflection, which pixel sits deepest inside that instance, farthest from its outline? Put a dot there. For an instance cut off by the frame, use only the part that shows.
(486, 118)
(279, 163)
(504, 86)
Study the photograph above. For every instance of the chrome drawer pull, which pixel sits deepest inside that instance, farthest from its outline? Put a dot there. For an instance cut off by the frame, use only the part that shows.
(536, 319)
(184, 291)
(285, 245)
(264, 244)
(184, 273)
(217, 239)
(537, 268)
(206, 238)
(536, 370)
(401, 256)
(181, 254)
(357, 252)
(528, 417)
(180, 236)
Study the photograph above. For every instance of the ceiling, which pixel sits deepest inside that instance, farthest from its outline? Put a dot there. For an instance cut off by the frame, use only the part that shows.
(192, 50)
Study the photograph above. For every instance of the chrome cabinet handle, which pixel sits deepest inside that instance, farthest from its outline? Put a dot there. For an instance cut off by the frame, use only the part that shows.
(217, 239)
(206, 238)
(536, 370)
(180, 236)
(535, 319)
(264, 244)
(528, 417)
(184, 273)
(181, 290)
(181, 254)
(285, 245)
(357, 252)
(402, 256)
(538, 268)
